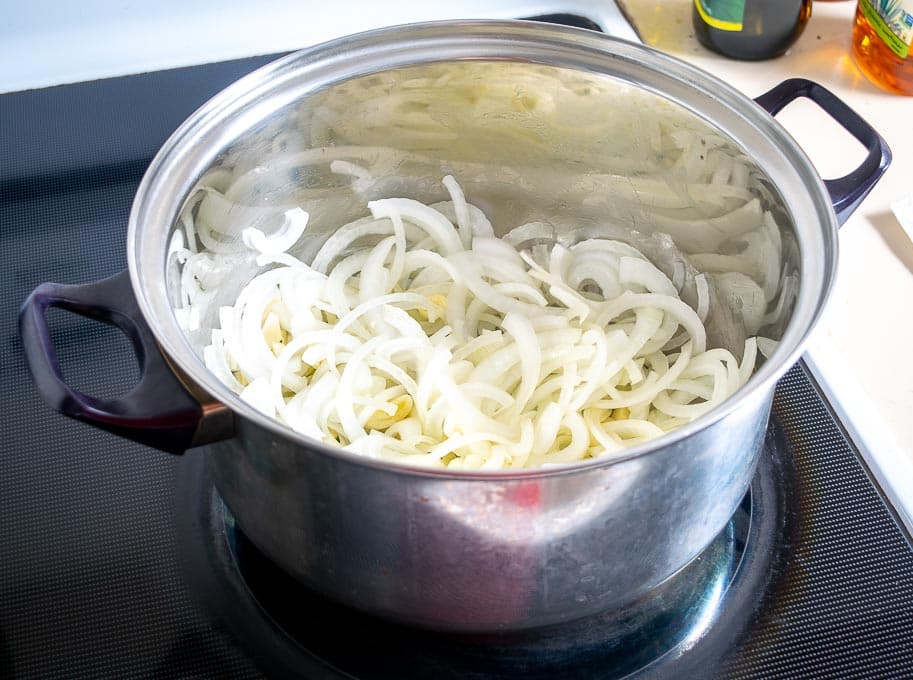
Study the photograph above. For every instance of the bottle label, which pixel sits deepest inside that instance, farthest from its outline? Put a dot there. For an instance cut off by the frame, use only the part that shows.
(892, 20)
(726, 15)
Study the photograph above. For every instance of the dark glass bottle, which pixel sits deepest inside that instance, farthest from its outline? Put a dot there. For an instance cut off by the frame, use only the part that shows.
(750, 29)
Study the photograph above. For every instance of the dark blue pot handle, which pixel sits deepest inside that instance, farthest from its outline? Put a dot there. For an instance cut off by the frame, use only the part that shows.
(159, 411)
(848, 191)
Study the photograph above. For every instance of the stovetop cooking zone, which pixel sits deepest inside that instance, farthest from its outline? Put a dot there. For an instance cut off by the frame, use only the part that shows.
(118, 562)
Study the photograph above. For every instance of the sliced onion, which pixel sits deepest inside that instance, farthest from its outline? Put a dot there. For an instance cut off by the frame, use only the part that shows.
(437, 344)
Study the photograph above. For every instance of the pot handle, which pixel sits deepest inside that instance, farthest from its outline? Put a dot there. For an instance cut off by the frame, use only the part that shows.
(848, 191)
(159, 411)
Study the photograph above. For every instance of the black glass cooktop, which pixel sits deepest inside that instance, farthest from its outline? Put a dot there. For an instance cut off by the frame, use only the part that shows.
(97, 578)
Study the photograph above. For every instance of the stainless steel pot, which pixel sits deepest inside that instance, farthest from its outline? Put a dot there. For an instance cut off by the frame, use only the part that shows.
(467, 551)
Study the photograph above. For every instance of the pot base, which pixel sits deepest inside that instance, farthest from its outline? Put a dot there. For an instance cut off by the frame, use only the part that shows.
(293, 632)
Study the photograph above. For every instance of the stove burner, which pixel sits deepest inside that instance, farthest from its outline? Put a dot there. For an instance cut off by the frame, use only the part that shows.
(689, 621)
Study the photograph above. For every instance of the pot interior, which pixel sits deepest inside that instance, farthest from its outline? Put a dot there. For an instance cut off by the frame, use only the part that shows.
(550, 152)
(573, 155)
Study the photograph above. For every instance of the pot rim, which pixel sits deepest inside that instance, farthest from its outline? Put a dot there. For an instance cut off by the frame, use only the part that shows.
(192, 147)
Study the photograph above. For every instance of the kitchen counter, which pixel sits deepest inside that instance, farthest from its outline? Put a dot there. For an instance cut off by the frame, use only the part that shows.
(858, 352)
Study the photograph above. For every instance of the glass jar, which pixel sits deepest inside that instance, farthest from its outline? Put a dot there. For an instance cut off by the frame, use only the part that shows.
(882, 34)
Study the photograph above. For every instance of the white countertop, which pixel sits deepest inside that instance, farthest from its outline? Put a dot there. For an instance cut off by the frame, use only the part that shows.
(858, 351)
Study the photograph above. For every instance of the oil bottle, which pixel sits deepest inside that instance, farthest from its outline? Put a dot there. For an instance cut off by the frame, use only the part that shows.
(882, 35)
(750, 29)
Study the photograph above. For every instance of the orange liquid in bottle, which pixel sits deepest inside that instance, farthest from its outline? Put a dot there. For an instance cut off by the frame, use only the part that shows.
(879, 63)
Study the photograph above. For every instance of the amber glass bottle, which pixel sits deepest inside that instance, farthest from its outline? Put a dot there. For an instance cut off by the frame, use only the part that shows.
(750, 29)
(882, 36)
